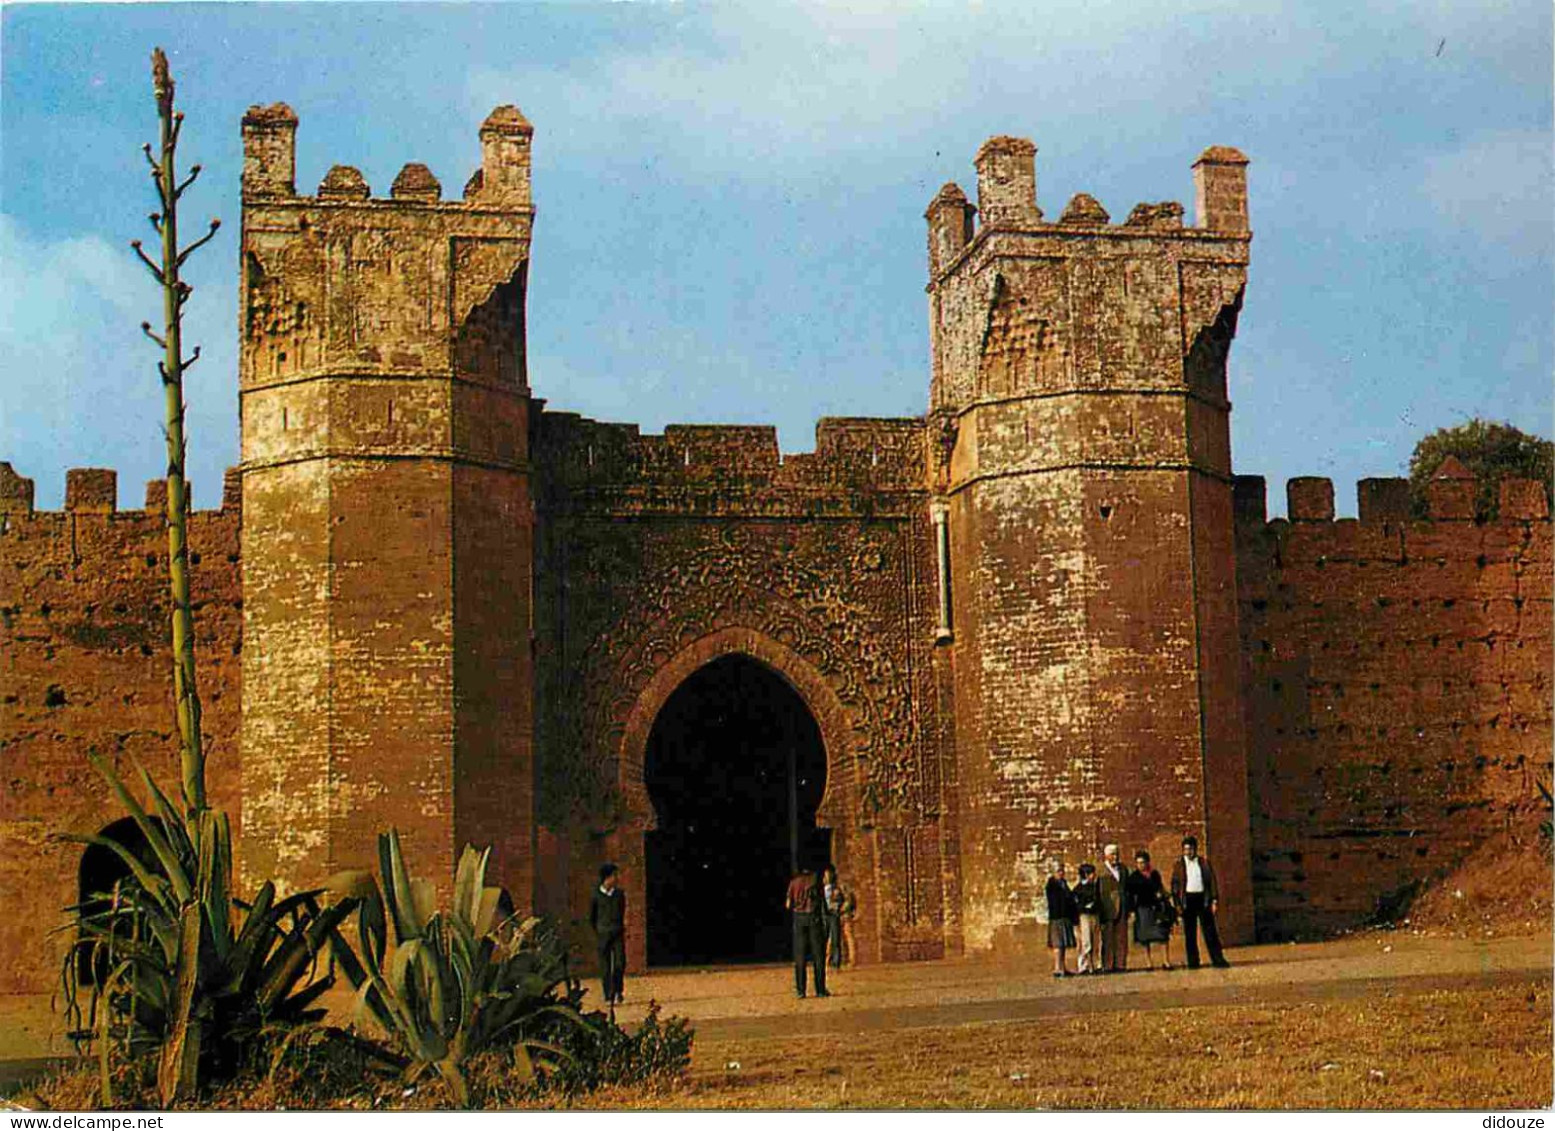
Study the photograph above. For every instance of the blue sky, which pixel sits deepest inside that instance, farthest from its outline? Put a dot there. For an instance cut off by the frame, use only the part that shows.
(731, 198)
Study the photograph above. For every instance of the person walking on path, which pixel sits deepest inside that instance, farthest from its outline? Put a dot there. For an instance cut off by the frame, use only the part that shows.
(805, 901)
(1060, 918)
(1112, 879)
(831, 909)
(1087, 902)
(1152, 910)
(607, 916)
(1195, 892)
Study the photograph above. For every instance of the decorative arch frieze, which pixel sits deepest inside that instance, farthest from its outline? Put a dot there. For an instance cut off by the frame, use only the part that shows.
(840, 725)
(817, 623)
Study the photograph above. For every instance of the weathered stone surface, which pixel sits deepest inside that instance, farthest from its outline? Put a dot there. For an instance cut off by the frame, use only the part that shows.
(459, 615)
(1397, 695)
(344, 182)
(85, 664)
(416, 182)
(1167, 214)
(386, 556)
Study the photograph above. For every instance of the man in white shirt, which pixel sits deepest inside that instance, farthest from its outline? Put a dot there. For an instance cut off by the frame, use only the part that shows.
(1196, 895)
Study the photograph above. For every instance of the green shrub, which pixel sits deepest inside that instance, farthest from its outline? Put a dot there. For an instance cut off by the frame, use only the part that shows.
(446, 987)
(189, 976)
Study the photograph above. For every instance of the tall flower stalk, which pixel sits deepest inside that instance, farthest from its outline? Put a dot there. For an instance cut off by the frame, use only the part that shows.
(175, 292)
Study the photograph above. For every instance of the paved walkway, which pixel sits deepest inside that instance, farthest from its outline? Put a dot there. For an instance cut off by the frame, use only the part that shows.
(752, 1002)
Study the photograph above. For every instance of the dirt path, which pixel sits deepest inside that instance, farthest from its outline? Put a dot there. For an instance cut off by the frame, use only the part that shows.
(755, 1002)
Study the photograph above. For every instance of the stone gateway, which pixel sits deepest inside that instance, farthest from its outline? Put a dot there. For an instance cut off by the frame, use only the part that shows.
(940, 651)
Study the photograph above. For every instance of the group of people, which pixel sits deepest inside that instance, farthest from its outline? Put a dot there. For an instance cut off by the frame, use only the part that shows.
(822, 910)
(1092, 915)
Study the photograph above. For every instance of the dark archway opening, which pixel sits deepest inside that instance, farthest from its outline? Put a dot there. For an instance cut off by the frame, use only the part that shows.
(735, 768)
(102, 874)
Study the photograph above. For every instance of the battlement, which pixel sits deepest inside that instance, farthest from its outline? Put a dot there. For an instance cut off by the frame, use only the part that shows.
(345, 285)
(1449, 498)
(1007, 201)
(95, 491)
(884, 454)
(503, 179)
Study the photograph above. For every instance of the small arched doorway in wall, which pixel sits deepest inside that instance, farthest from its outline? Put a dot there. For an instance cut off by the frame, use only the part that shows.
(735, 769)
(102, 871)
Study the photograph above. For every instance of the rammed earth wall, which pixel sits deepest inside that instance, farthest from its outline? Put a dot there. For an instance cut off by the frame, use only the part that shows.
(1396, 690)
(86, 664)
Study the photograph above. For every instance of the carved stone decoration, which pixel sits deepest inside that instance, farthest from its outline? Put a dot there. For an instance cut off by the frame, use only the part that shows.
(281, 303)
(1020, 348)
(1211, 302)
(944, 428)
(480, 266)
(816, 608)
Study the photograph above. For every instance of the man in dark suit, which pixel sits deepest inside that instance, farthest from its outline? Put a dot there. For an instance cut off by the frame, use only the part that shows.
(805, 901)
(1196, 895)
(1112, 878)
(607, 915)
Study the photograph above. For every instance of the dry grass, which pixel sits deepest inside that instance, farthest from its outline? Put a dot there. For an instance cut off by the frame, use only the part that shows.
(1471, 1048)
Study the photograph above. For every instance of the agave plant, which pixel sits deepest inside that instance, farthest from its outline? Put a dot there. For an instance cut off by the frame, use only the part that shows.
(447, 986)
(186, 971)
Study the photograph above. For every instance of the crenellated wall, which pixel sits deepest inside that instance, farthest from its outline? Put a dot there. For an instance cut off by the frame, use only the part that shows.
(85, 664)
(1396, 688)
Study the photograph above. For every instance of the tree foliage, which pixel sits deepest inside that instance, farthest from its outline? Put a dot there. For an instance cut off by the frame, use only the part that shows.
(1491, 450)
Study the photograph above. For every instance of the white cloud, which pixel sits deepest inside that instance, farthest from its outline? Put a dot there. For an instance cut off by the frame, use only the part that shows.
(57, 299)
(780, 86)
(37, 274)
(78, 382)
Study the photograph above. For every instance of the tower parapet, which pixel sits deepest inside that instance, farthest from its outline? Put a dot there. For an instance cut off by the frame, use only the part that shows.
(16, 492)
(1220, 189)
(506, 136)
(951, 223)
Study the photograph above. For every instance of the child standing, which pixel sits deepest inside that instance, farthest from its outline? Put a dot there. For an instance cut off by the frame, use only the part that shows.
(1087, 901)
(1060, 918)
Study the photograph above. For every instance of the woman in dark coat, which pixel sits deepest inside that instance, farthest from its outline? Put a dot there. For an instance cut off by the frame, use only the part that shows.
(1061, 917)
(1153, 915)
